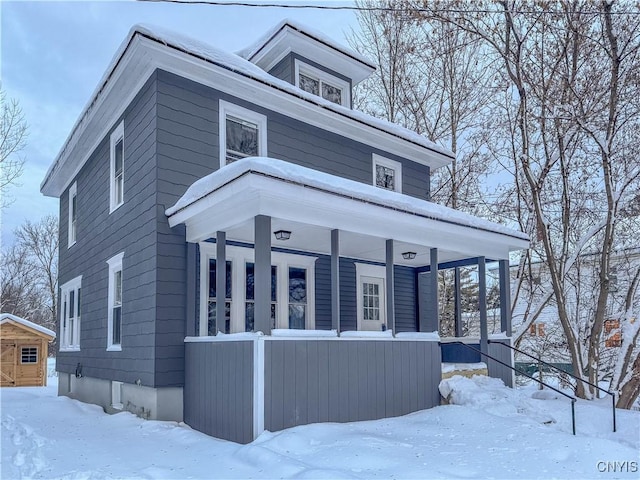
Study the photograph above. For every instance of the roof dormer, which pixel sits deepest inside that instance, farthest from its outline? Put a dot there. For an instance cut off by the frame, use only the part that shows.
(310, 60)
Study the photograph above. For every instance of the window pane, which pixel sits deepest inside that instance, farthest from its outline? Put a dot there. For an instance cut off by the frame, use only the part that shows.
(249, 322)
(117, 322)
(309, 84)
(274, 283)
(297, 285)
(29, 355)
(119, 154)
(297, 314)
(331, 93)
(242, 139)
(212, 327)
(119, 189)
(72, 304)
(385, 177)
(212, 278)
(117, 282)
(78, 301)
(250, 287)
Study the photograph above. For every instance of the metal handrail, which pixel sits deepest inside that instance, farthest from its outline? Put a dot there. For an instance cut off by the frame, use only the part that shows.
(573, 399)
(613, 395)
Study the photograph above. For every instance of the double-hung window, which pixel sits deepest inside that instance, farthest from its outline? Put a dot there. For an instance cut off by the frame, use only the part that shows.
(321, 83)
(387, 173)
(114, 315)
(70, 314)
(116, 175)
(73, 215)
(243, 133)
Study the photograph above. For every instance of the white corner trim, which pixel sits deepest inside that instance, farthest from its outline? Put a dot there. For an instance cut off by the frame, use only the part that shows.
(228, 108)
(71, 232)
(324, 77)
(392, 164)
(258, 386)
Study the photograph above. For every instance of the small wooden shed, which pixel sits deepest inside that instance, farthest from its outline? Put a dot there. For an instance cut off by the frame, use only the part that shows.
(23, 352)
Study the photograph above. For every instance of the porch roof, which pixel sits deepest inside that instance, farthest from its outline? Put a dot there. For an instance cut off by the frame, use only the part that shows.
(310, 204)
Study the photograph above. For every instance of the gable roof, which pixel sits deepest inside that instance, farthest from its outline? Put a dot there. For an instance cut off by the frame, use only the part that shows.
(9, 318)
(148, 48)
(291, 35)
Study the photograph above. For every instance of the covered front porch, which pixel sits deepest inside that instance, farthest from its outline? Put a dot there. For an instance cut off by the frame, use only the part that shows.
(305, 250)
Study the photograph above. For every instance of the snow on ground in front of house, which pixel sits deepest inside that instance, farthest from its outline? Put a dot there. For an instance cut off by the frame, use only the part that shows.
(491, 431)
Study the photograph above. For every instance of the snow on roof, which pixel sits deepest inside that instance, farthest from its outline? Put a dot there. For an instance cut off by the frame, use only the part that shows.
(7, 317)
(327, 182)
(243, 67)
(253, 49)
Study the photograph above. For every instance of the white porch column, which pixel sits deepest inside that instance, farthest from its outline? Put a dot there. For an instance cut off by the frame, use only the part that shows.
(335, 280)
(262, 274)
(505, 297)
(482, 304)
(221, 281)
(391, 306)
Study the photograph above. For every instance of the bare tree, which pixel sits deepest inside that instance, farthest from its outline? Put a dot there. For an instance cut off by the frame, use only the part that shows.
(30, 273)
(13, 133)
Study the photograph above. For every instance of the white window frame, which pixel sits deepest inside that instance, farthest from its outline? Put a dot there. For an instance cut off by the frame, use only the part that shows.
(72, 232)
(70, 338)
(392, 164)
(228, 108)
(115, 265)
(239, 256)
(323, 77)
(116, 136)
(373, 271)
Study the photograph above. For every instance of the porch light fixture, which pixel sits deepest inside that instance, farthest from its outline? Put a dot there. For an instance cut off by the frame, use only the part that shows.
(282, 235)
(409, 255)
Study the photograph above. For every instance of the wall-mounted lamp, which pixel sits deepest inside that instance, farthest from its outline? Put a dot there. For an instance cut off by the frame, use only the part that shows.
(282, 235)
(409, 255)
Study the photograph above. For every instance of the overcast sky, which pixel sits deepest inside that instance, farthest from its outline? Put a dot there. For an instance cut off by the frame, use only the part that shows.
(54, 53)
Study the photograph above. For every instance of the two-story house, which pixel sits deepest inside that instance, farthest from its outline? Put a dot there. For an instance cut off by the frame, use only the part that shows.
(242, 250)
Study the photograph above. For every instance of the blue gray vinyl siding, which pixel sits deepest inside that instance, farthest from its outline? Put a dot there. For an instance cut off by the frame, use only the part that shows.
(502, 353)
(284, 69)
(188, 141)
(218, 389)
(345, 381)
(130, 229)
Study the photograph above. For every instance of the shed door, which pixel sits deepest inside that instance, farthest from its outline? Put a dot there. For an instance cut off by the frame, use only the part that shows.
(8, 364)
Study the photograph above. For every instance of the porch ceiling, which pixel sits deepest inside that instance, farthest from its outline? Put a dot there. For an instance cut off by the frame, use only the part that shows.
(310, 204)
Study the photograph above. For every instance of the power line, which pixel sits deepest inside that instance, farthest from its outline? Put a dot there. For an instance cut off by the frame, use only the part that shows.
(222, 3)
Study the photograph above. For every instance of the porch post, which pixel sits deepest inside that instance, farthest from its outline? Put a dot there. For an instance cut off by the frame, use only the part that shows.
(262, 274)
(482, 304)
(428, 296)
(391, 307)
(193, 322)
(457, 310)
(335, 280)
(505, 297)
(221, 281)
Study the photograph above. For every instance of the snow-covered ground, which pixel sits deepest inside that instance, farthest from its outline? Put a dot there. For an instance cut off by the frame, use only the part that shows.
(490, 432)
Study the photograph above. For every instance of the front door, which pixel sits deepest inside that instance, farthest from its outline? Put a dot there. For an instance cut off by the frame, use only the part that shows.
(8, 364)
(371, 303)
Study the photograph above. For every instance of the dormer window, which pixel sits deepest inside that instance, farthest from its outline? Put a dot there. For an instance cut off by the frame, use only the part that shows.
(321, 83)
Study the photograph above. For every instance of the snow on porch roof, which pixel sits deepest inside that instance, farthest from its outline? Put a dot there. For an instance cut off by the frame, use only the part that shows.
(7, 317)
(319, 181)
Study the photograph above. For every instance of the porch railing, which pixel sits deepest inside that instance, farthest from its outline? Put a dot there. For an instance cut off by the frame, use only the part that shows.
(540, 361)
(573, 399)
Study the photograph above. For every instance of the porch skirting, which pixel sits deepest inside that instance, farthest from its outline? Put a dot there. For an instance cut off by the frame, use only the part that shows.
(237, 386)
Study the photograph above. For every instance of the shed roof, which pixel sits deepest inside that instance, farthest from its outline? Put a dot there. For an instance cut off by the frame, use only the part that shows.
(9, 318)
